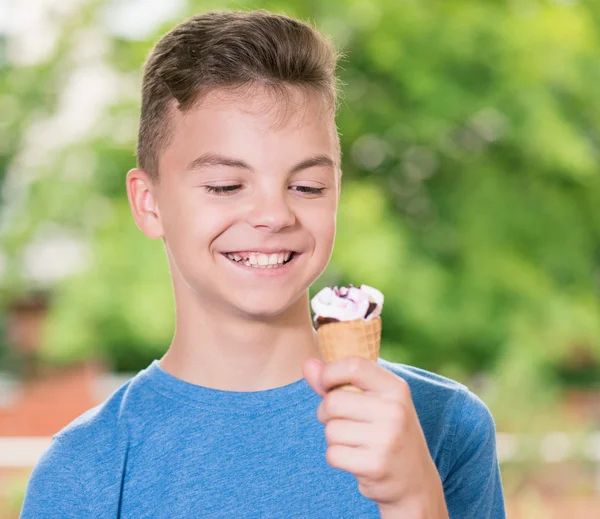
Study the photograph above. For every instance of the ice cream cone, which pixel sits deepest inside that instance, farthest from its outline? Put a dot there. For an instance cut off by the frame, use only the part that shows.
(342, 339)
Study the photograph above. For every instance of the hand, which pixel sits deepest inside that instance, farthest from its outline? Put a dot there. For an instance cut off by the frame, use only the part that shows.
(375, 434)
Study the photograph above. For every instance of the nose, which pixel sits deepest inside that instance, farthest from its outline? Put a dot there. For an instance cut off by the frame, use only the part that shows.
(271, 210)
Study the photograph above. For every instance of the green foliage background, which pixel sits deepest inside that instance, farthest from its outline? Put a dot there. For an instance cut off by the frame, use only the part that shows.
(471, 191)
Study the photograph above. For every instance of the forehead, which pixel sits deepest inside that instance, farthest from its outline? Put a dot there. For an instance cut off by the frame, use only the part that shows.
(275, 107)
(254, 122)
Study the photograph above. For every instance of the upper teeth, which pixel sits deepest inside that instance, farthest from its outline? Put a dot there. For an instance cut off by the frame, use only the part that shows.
(260, 259)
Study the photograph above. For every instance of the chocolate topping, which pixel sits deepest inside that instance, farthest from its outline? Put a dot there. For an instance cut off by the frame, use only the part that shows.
(372, 307)
(324, 320)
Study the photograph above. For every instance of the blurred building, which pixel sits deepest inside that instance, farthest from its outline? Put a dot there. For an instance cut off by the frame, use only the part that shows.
(37, 401)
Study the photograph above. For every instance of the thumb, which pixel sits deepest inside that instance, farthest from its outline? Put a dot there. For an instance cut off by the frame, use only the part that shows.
(311, 370)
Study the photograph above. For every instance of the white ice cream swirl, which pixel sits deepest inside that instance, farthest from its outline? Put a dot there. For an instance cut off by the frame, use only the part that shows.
(347, 303)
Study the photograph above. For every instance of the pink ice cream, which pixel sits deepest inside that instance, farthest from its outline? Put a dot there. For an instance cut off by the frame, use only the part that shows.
(346, 304)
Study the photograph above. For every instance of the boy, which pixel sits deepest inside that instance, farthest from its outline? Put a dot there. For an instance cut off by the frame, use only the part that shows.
(239, 167)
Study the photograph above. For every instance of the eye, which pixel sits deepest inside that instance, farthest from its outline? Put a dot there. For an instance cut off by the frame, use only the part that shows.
(232, 188)
(311, 190)
(221, 189)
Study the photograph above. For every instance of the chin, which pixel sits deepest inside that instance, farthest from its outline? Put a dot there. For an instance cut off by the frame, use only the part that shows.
(263, 308)
(264, 311)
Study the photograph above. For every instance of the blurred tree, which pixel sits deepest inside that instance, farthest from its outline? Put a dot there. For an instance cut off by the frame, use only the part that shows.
(470, 192)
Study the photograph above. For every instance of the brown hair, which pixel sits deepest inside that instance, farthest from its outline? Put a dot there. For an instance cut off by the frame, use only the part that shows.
(229, 50)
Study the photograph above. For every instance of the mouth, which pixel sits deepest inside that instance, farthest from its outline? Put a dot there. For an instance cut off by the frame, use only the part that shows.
(261, 261)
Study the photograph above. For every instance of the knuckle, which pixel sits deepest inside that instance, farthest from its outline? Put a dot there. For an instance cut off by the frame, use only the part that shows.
(331, 455)
(321, 413)
(388, 443)
(331, 404)
(397, 417)
(403, 391)
(376, 470)
(331, 431)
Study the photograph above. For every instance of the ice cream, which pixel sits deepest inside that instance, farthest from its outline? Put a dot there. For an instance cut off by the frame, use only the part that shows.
(348, 322)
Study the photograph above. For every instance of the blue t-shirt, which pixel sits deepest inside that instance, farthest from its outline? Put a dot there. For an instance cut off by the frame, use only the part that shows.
(160, 447)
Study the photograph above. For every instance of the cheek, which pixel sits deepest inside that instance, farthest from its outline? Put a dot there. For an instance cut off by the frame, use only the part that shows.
(202, 225)
(191, 224)
(322, 228)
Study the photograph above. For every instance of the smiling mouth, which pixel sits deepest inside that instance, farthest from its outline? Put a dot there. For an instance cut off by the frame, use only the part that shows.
(260, 260)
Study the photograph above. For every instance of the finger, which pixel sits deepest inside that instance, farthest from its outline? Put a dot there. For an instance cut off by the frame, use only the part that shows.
(363, 373)
(360, 461)
(359, 407)
(311, 369)
(349, 433)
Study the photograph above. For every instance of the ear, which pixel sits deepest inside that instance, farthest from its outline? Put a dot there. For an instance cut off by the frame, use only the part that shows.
(141, 192)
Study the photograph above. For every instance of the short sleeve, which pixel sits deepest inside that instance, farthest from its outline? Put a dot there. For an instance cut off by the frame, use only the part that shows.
(54, 490)
(473, 485)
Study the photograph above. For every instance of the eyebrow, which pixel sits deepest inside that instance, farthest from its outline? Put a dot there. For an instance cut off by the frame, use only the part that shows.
(210, 159)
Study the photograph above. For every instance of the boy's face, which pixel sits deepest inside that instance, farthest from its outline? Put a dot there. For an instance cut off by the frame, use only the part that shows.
(275, 205)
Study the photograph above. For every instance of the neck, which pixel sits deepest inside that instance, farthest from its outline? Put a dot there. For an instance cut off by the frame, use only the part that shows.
(219, 350)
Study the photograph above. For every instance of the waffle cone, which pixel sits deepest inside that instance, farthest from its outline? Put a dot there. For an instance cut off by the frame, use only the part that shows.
(350, 338)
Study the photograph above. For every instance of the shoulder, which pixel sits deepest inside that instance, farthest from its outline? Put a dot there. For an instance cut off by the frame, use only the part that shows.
(464, 408)
(66, 477)
(97, 421)
(84, 456)
(425, 385)
(473, 430)
(436, 398)
(457, 423)
(103, 428)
